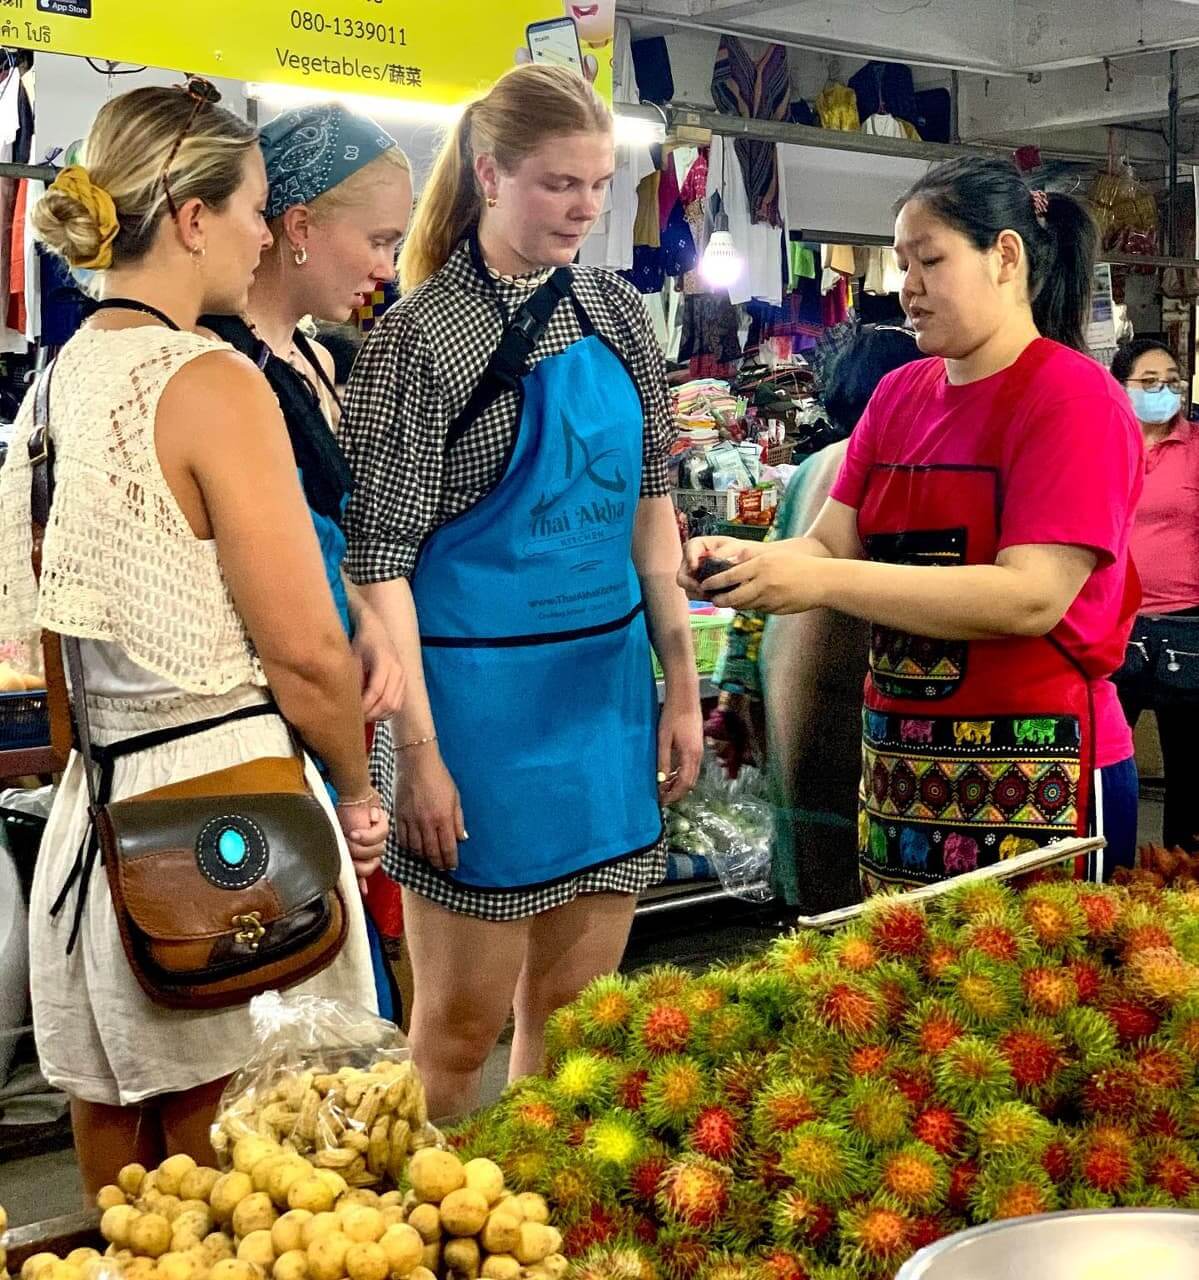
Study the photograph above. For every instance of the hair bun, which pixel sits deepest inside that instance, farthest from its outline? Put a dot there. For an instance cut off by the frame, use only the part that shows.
(77, 220)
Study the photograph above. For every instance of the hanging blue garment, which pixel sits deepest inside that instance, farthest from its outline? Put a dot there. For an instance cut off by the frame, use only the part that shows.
(536, 652)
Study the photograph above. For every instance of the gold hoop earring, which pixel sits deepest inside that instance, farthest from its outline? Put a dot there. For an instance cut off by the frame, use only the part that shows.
(492, 201)
(300, 256)
(198, 255)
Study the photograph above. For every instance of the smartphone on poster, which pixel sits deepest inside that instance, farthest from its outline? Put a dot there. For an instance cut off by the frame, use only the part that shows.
(555, 41)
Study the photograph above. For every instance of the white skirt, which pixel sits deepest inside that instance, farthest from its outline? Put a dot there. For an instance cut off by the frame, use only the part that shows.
(99, 1037)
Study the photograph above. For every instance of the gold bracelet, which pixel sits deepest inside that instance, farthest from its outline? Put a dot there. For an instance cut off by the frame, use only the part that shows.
(416, 742)
(372, 798)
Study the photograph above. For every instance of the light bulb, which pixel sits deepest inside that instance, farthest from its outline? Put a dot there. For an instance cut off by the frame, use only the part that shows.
(721, 265)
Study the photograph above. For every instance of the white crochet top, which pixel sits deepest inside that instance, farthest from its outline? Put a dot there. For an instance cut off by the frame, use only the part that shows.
(120, 562)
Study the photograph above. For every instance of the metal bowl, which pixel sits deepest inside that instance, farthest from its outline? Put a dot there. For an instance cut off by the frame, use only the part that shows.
(1095, 1244)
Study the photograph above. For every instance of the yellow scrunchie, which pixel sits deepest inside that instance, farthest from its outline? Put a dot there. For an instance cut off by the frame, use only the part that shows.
(76, 182)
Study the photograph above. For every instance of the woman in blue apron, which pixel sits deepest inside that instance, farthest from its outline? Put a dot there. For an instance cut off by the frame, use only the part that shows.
(339, 202)
(508, 426)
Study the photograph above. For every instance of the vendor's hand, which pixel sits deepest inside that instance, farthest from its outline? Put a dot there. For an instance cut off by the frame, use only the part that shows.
(778, 579)
(680, 748)
(383, 679)
(365, 828)
(700, 549)
(428, 811)
(736, 732)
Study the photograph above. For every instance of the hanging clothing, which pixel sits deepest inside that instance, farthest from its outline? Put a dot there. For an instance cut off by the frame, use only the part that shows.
(693, 198)
(647, 225)
(760, 244)
(755, 90)
(710, 328)
(651, 64)
(837, 107)
(883, 272)
(885, 88)
(975, 751)
(882, 125)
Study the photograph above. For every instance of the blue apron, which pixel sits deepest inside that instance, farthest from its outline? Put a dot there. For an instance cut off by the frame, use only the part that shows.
(536, 653)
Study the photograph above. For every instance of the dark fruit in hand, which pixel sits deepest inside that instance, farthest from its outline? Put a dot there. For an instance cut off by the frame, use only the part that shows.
(710, 567)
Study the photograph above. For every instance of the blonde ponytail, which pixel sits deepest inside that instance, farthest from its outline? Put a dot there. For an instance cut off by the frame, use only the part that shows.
(524, 108)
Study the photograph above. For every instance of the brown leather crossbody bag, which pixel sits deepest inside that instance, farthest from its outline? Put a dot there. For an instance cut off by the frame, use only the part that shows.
(224, 885)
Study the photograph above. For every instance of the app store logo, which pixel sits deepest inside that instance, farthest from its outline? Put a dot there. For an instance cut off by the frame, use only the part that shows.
(66, 8)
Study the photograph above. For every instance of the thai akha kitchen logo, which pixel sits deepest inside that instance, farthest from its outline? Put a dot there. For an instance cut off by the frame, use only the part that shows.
(588, 505)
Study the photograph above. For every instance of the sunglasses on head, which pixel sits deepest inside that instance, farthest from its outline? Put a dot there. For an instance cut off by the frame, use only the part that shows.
(202, 93)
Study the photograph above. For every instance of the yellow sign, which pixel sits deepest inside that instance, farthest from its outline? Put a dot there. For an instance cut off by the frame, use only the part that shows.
(440, 51)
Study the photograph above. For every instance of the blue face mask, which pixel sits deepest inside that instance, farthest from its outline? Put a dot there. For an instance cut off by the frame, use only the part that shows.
(1155, 406)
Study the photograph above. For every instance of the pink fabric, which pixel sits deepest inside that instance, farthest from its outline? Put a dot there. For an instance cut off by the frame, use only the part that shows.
(1165, 537)
(668, 191)
(1070, 468)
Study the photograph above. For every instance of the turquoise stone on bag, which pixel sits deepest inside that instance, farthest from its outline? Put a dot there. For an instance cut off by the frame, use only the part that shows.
(232, 848)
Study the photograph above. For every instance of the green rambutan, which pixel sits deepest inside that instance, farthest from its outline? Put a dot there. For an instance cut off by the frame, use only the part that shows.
(1007, 1191)
(663, 1029)
(849, 1008)
(675, 1094)
(802, 1220)
(984, 992)
(740, 1081)
(716, 1133)
(730, 1030)
(1035, 1053)
(573, 1189)
(825, 1161)
(695, 1193)
(1160, 975)
(941, 1129)
(876, 1110)
(615, 1142)
(662, 982)
(1049, 989)
(746, 1221)
(977, 900)
(584, 1079)
(615, 1262)
(797, 953)
(997, 939)
(815, 1055)
(1080, 1196)
(564, 1031)
(529, 1167)
(1182, 1030)
(770, 994)
(854, 953)
(913, 1178)
(730, 1266)
(898, 928)
(784, 1106)
(764, 1166)
(1011, 1130)
(682, 1254)
(972, 1073)
(607, 1007)
(901, 987)
(1053, 915)
(534, 1110)
(1091, 1035)
(933, 1027)
(875, 1239)
(705, 996)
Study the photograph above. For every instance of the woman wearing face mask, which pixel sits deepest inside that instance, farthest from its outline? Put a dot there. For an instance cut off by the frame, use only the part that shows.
(981, 522)
(180, 552)
(1162, 668)
(339, 202)
(511, 523)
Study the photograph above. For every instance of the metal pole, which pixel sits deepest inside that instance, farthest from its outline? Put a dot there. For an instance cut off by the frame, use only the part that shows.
(1172, 174)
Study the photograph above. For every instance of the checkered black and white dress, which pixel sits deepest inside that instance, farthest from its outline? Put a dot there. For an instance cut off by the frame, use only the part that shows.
(412, 378)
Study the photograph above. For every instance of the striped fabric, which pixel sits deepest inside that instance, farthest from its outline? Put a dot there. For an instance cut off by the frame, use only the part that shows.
(759, 91)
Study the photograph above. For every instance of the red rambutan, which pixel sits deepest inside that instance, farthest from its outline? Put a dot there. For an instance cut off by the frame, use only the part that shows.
(800, 1219)
(683, 1256)
(875, 1237)
(1107, 1167)
(941, 1129)
(1088, 980)
(664, 1029)
(851, 1010)
(601, 1226)
(1173, 1170)
(1035, 1056)
(868, 1059)
(963, 1177)
(716, 1133)
(942, 956)
(927, 1230)
(936, 1027)
(1022, 1199)
(899, 928)
(782, 1264)
(1162, 1122)
(1102, 913)
(995, 940)
(646, 1178)
(1058, 1161)
(694, 1192)
(1049, 989)
(1114, 1091)
(630, 1090)
(913, 1176)
(856, 954)
(1146, 937)
(536, 1114)
(916, 1084)
(1162, 1068)
(1133, 1020)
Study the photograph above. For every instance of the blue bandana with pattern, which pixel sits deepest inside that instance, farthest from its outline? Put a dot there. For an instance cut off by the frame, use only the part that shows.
(313, 149)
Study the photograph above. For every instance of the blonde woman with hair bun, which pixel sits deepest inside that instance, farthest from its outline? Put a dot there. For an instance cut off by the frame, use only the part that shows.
(181, 553)
(514, 530)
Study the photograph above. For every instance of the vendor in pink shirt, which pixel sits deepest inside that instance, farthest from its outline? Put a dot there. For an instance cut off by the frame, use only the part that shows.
(1161, 672)
(981, 522)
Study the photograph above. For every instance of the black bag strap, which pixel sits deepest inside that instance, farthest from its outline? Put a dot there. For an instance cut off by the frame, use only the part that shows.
(510, 361)
(306, 349)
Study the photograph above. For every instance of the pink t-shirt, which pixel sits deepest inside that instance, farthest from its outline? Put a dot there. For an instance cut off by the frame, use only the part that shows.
(1070, 462)
(1165, 537)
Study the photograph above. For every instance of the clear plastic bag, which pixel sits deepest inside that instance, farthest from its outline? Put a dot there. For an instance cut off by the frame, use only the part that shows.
(730, 825)
(334, 1083)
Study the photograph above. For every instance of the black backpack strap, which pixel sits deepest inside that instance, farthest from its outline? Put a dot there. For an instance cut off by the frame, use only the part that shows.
(306, 349)
(509, 362)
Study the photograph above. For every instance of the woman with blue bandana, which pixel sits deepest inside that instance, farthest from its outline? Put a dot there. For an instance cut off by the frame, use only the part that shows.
(1161, 672)
(339, 201)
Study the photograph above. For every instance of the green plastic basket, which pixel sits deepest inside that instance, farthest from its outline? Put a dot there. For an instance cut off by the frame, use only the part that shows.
(708, 634)
(751, 532)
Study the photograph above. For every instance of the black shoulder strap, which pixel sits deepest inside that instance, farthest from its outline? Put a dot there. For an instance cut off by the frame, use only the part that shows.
(306, 350)
(509, 362)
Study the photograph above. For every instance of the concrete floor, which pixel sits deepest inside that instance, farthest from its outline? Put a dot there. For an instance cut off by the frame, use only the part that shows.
(47, 1185)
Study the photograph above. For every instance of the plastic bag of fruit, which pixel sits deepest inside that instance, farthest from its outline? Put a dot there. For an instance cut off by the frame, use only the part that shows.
(332, 1082)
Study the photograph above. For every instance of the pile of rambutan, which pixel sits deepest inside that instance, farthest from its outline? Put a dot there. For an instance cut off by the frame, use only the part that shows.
(822, 1110)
